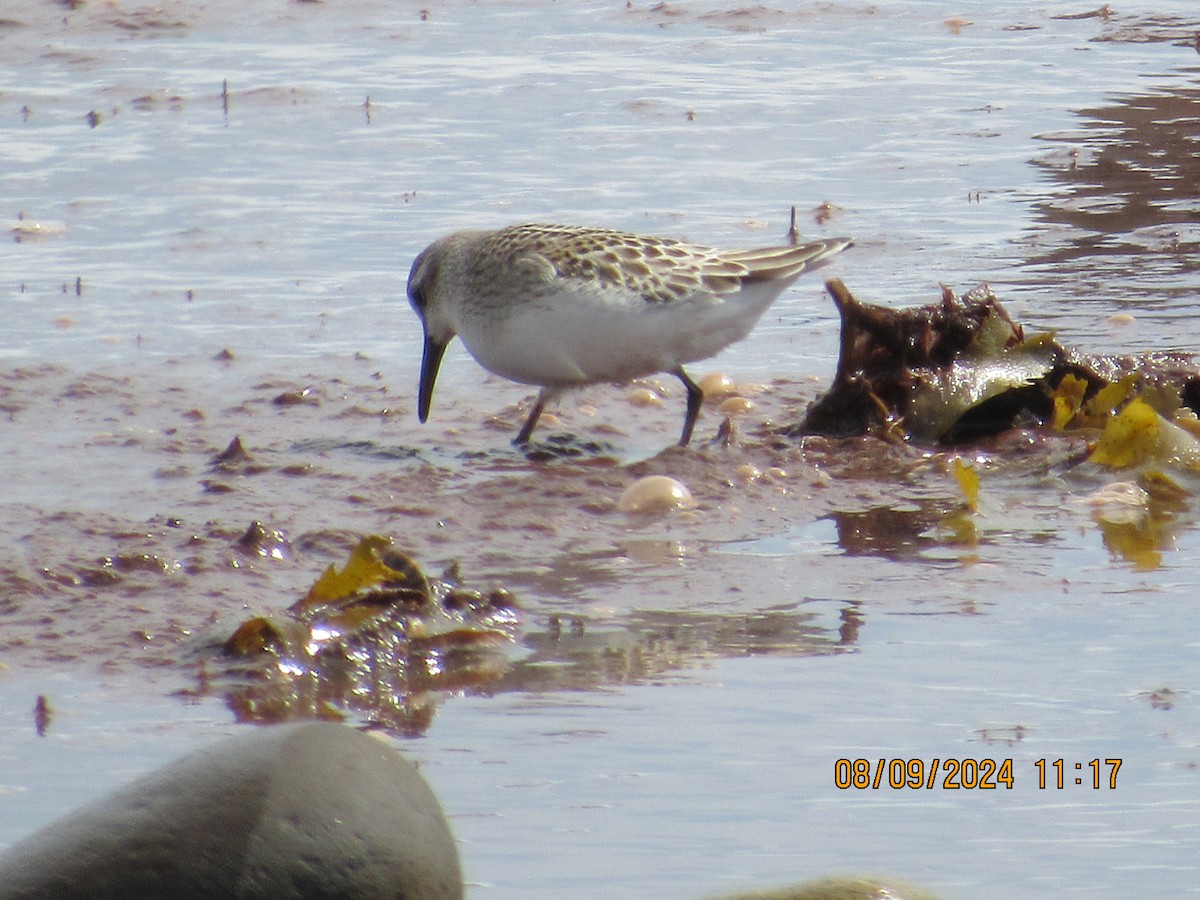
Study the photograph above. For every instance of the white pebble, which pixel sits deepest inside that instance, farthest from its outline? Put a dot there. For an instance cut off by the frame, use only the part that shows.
(643, 396)
(732, 406)
(717, 384)
(655, 493)
(747, 473)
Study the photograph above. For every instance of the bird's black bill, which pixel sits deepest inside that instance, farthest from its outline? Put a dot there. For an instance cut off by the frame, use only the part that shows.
(431, 358)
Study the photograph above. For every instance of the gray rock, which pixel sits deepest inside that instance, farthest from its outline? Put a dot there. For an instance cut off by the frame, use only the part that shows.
(305, 811)
(854, 888)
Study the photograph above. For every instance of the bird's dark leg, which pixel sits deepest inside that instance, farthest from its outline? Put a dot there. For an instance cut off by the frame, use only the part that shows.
(539, 404)
(695, 398)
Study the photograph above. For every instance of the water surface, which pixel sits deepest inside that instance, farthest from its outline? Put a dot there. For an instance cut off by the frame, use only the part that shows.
(256, 178)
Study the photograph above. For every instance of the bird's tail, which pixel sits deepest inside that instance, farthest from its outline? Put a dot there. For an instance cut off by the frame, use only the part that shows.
(786, 262)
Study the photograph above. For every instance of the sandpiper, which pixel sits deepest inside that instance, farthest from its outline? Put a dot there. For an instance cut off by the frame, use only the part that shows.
(562, 306)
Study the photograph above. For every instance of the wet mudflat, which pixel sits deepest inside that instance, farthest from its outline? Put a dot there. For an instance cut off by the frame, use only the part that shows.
(210, 235)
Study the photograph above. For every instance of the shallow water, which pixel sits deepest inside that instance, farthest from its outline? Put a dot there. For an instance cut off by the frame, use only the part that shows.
(684, 684)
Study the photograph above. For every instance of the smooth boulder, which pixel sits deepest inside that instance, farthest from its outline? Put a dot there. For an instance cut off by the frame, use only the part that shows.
(301, 811)
(853, 888)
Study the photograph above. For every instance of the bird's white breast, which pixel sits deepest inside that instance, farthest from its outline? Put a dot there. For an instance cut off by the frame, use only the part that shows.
(585, 332)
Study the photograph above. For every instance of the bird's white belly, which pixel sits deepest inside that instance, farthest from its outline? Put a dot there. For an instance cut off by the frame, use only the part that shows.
(563, 344)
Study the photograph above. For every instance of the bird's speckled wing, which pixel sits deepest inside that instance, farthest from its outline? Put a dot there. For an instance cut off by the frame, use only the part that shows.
(661, 270)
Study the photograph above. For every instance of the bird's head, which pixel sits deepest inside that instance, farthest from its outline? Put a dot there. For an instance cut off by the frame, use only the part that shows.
(427, 294)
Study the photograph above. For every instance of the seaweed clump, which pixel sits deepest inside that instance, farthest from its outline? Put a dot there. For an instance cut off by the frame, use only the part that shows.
(378, 636)
(961, 369)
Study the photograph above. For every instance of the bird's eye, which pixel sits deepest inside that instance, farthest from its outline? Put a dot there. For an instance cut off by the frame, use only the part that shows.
(418, 283)
(416, 296)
